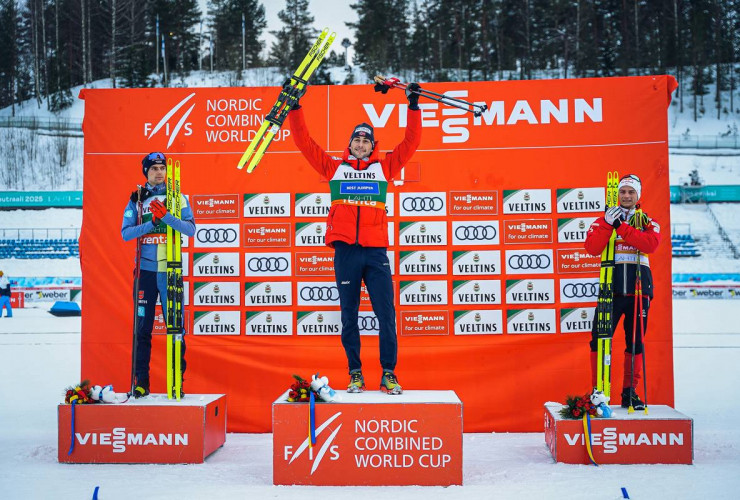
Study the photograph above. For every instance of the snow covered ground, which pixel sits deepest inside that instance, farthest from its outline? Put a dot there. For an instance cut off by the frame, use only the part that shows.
(40, 355)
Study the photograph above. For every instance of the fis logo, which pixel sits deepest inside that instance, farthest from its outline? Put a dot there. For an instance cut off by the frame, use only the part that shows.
(166, 124)
(288, 452)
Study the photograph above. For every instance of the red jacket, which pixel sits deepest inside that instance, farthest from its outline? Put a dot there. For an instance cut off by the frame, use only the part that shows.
(629, 240)
(365, 226)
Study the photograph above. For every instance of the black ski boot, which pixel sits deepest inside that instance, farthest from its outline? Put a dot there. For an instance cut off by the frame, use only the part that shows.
(140, 391)
(630, 398)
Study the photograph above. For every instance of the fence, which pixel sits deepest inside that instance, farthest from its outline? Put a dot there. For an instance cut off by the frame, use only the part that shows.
(704, 141)
(45, 233)
(34, 122)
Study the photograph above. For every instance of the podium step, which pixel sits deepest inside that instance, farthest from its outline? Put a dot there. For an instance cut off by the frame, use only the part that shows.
(370, 439)
(150, 430)
(663, 436)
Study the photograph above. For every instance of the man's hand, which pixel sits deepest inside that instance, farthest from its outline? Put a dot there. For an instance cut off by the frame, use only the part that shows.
(158, 211)
(613, 216)
(412, 94)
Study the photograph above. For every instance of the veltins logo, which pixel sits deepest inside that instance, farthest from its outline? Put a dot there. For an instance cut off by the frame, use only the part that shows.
(225, 293)
(476, 292)
(476, 262)
(580, 200)
(479, 322)
(319, 323)
(423, 292)
(272, 293)
(290, 456)
(574, 230)
(530, 321)
(269, 323)
(527, 201)
(422, 233)
(312, 204)
(423, 262)
(266, 205)
(216, 264)
(579, 319)
(165, 123)
(534, 291)
(216, 323)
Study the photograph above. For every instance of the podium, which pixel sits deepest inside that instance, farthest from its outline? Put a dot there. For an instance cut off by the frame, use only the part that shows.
(151, 430)
(663, 436)
(370, 439)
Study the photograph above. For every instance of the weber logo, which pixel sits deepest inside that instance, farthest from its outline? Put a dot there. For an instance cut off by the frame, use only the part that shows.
(270, 293)
(423, 233)
(312, 204)
(319, 323)
(479, 322)
(216, 323)
(215, 264)
(267, 205)
(574, 230)
(476, 262)
(423, 262)
(534, 291)
(423, 292)
(527, 201)
(269, 323)
(581, 200)
(530, 321)
(476, 292)
(579, 319)
(310, 234)
(223, 293)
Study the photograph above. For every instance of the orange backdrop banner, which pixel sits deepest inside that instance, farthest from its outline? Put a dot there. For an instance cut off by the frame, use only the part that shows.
(494, 293)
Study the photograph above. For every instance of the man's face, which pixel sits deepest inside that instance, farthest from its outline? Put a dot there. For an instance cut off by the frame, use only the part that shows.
(361, 147)
(627, 197)
(156, 175)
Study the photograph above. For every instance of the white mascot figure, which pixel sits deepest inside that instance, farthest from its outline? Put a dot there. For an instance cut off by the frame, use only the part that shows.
(601, 402)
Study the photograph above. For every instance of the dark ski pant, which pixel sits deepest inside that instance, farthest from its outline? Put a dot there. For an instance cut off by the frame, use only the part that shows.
(352, 265)
(151, 285)
(624, 305)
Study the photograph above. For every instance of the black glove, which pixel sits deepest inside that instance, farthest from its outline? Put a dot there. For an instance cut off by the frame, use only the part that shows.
(293, 94)
(412, 94)
(382, 88)
(145, 193)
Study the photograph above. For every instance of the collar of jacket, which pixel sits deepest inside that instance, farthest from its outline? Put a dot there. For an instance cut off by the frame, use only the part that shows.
(373, 158)
(159, 189)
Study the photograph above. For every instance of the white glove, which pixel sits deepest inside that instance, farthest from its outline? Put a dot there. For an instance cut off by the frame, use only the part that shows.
(613, 216)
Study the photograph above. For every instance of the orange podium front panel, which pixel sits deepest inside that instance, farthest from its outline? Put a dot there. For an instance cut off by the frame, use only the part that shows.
(370, 439)
(663, 436)
(152, 430)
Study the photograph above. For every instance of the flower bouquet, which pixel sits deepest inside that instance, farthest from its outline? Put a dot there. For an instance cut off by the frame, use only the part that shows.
(299, 391)
(576, 406)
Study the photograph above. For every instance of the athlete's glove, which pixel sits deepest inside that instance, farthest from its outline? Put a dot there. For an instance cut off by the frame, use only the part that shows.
(145, 193)
(613, 216)
(158, 211)
(412, 94)
(386, 85)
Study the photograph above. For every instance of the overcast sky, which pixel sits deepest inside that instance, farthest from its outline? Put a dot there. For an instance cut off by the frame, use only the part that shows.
(326, 13)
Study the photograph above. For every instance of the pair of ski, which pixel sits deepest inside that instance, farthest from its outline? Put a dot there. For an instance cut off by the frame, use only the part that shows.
(292, 91)
(604, 307)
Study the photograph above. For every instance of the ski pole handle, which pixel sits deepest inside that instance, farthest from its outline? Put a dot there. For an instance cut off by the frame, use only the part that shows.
(476, 109)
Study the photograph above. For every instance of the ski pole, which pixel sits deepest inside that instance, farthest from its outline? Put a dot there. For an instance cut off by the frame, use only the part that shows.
(137, 275)
(454, 102)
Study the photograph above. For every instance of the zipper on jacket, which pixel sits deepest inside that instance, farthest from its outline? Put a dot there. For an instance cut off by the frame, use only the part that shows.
(357, 230)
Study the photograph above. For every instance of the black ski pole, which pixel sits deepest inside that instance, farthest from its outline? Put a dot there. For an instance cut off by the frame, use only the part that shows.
(454, 102)
(137, 275)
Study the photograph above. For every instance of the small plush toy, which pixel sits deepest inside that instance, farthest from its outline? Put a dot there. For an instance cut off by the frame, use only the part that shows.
(104, 394)
(320, 385)
(601, 402)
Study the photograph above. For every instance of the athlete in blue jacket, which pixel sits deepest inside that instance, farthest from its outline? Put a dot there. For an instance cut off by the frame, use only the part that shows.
(153, 276)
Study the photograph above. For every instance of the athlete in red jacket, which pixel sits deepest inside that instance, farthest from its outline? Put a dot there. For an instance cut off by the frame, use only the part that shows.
(629, 242)
(357, 229)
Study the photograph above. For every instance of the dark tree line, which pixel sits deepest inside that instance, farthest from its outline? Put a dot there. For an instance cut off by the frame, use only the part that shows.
(49, 46)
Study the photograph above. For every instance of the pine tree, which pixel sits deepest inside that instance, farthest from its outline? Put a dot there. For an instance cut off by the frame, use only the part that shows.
(381, 36)
(9, 23)
(225, 21)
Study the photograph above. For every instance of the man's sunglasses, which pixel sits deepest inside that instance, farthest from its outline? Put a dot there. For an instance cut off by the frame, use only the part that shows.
(155, 156)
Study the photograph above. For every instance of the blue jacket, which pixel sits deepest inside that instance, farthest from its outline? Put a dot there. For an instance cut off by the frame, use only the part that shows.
(154, 238)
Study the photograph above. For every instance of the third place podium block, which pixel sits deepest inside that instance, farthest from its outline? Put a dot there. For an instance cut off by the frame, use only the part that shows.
(370, 439)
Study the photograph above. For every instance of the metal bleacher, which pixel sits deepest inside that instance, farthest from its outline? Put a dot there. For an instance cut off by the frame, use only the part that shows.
(46, 243)
(683, 243)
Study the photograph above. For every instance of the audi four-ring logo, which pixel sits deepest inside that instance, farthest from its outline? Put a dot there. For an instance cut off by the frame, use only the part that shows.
(531, 261)
(573, 290)
(423, 204)
(216, 235)
(368, 323)
(319, 293)
(267, 264)
(478, 233)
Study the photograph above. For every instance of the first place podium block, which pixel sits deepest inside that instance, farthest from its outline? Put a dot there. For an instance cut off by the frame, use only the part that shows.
(370, 439)
(151, 430)
(663, 436)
